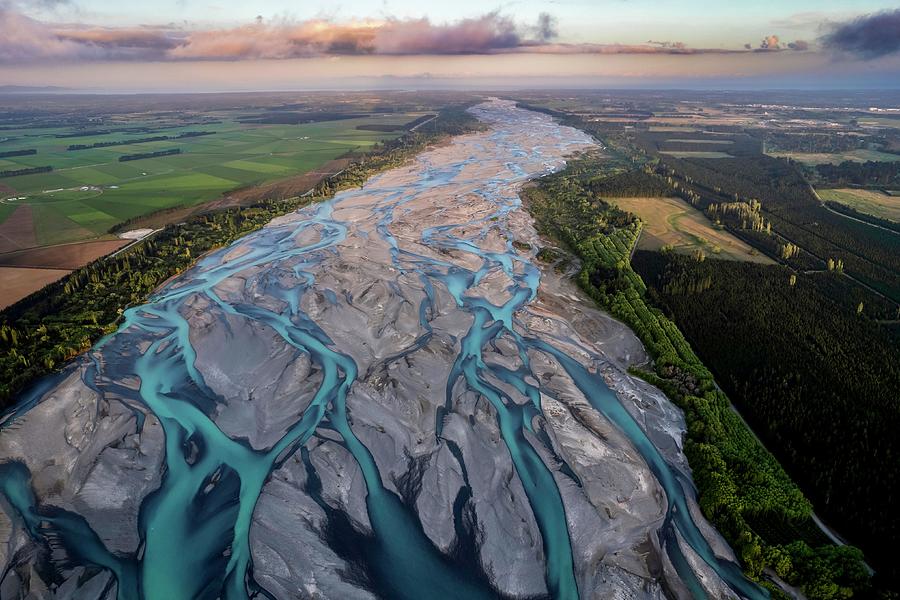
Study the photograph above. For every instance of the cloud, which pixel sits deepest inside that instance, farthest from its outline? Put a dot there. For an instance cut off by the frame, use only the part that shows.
(40, 4)
(546, 28)
(490, 33)
(869, 36)
(770, 42)
(24, 39)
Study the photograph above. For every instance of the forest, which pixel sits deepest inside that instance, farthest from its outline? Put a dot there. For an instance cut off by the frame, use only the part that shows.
(630, 184)
(862, 174)
(742, 488)
(813, 374)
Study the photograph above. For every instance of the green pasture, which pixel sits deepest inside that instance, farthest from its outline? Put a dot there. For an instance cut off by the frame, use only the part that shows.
(816, 158)
(89, 191)
(700, 141)
(696, 154)
(872, 202)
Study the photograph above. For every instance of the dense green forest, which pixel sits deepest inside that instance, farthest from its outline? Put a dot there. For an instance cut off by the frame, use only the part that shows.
(630, 184)
(40, 333)
(867, 174)
(812, 373)
(742, 488)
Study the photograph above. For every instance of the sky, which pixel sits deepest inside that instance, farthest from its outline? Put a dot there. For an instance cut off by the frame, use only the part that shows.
(218, 45)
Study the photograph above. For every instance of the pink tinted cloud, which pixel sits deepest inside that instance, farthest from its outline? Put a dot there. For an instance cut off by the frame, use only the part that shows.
(23, 39)
(489, 33)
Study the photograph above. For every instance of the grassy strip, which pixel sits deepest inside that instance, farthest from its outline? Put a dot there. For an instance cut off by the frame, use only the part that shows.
(40, 333)
(738, 481)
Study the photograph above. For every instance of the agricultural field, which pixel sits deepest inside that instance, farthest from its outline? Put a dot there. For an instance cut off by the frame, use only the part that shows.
(670, 222)
(91, 190)
(816, 158)
(18, 282)
(872, 202)
(695, 154)
(890, 122)
(701, 141)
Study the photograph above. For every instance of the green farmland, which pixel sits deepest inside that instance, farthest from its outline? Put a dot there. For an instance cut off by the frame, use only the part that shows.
(90, 190)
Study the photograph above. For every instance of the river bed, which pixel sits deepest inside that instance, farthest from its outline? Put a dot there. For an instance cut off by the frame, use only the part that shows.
(377, 396)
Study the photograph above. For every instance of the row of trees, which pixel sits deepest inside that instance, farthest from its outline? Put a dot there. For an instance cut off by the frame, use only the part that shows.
(143, 155)
(25, 171)
(13, 153)
(158, 138)
(862, 174)
(75, 147)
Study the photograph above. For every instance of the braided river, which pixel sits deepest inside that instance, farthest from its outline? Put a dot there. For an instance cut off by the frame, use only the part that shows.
(382, 395)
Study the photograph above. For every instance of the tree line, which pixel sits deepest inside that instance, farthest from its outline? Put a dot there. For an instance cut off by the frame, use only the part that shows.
(25, 171)
(859, 174)
(158, 138)
(13, 153)
(143, 155)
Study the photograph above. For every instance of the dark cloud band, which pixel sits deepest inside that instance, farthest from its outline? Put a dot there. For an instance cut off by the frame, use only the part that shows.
(870, 36)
